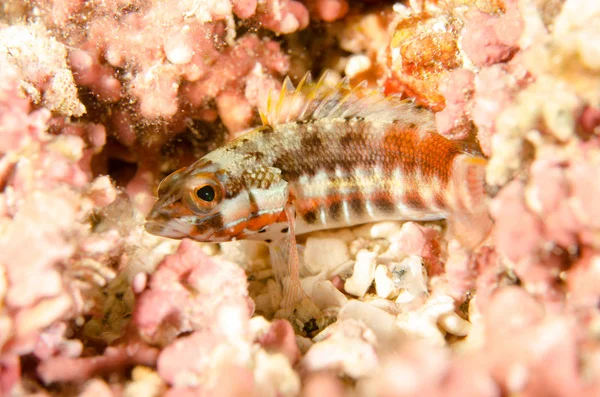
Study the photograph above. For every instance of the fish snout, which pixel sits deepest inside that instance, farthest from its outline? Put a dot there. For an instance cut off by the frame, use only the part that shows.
(153, 227)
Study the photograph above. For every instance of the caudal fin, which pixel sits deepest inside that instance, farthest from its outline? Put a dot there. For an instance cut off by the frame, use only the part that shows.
(470, 222)
(474, 182)
(470, 229)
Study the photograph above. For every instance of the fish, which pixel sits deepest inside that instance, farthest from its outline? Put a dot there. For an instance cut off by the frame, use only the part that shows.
(326, 156)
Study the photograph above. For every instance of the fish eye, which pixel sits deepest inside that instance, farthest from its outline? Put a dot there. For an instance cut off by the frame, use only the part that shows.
(206, 193)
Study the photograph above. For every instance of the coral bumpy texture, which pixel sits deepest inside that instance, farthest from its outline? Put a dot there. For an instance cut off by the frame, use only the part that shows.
(100, 100)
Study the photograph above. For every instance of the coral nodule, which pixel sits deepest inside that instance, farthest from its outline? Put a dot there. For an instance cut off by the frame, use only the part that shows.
(101, 99)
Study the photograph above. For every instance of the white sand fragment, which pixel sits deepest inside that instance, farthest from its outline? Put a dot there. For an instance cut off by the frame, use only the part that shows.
(411, 279)
(273, 375)
(144, 382)
(477, 334)
(250, 255)
(379, 321)
(423, 322)
(324, 255)
(308, 283)
(350, 328)
(346, 346)
(268, 302)
(454, 324)
(322, 292)
(384, 284)
(303, 343)
(178, 52)
(387, 305)
(386, 229)
(325, 295)
(258, 326)
(363, 275)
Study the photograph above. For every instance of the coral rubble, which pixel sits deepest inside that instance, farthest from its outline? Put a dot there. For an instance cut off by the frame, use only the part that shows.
(101, 99)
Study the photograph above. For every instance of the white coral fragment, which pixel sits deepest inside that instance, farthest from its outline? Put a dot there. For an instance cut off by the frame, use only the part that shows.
(412, 280)
(423, 322)
(384, 284)
(380, 322)
(274, 376)
(346, 347)
(324, 254)
(363, 275)
(454, 324)
(325, 295)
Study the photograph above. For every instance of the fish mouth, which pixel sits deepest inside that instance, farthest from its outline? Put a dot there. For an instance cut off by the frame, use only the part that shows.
(154, 228)
(171, 229)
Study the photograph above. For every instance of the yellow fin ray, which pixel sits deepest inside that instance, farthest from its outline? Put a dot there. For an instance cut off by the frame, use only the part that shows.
(322, 100)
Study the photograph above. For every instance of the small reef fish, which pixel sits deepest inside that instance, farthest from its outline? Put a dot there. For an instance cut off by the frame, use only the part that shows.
(326, 156)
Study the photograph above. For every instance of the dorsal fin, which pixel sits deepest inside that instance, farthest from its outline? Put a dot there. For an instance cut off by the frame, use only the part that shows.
(321, 100)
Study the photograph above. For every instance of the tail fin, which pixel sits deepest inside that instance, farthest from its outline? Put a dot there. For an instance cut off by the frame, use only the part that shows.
(471, 173)
(471, 223)
(470, 229)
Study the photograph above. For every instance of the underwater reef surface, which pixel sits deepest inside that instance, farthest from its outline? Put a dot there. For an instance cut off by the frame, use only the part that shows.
(101, 99)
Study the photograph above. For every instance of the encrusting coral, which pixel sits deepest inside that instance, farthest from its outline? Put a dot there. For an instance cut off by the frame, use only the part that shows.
(101, 99)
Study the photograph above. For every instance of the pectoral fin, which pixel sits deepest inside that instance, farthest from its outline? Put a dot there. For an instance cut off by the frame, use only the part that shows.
(285, 260)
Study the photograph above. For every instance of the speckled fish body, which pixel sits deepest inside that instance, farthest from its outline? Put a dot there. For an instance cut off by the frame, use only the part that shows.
(326, 157)
(338, 156)
(349, 172)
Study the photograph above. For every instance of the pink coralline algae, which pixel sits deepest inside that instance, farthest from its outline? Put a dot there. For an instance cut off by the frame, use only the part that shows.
(100, 100)
(414, 239)
(187, 292)
(42, 65)
(55, 279)
(457, 88)
(489, 39)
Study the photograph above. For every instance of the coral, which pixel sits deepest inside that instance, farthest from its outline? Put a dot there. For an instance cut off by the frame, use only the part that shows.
(280, 337)
(420, 55)
(323, 384)
(489, 39)
(60, 276)
(347, 348)
(69, 369)
(457, 89)
(283, 16)
(187, 292)
(42, 65)
(99, 100)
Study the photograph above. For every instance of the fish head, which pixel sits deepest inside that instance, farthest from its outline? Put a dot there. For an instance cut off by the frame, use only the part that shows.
(213, 202)
(188, 205)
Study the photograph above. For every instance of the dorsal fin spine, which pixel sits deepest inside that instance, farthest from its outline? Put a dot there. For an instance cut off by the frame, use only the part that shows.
(320, 100)
(334, 90)
(306, 80)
